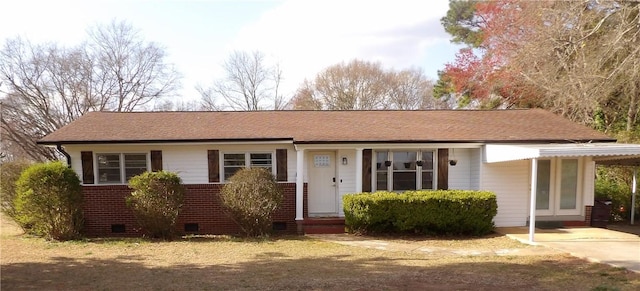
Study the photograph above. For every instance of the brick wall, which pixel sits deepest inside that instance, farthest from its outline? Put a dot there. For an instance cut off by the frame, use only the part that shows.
(105, 208)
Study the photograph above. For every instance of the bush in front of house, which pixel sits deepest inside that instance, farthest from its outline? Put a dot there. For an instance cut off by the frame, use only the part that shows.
(48, 201)
(9, 175)
(156, 200)
(614, 184)
(250, 197)
(450, 212)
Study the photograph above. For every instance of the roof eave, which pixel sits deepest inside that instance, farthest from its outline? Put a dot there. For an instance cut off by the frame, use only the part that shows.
(159, 141)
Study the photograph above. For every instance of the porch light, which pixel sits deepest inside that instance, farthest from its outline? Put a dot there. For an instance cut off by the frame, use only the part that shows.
(387, 163)
(419, 163)
(344, 161)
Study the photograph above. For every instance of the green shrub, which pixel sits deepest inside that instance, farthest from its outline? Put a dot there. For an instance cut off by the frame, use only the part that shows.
(156, 200)
(614, 183)
(9, 175)
(250, 197)
(48, 201)
(440, 212)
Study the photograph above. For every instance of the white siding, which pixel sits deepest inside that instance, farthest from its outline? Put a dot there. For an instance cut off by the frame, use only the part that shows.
(475, 156)
(459, 175)
(189, 161)
(588, 187)
(346, 176)
(510, 182)
(76, 162)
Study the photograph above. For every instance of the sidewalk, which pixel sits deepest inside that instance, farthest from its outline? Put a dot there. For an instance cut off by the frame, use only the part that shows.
(594, 244)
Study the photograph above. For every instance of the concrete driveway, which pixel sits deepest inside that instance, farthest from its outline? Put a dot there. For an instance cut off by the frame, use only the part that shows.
(594, 244)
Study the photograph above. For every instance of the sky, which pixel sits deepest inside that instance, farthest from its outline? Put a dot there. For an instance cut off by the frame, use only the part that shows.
(302, 36)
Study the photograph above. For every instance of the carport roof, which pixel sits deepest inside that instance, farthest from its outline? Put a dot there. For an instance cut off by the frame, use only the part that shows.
(603, 153)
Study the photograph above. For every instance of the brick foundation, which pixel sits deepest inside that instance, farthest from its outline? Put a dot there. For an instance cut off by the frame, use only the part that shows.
(587, 215)
(105, 211)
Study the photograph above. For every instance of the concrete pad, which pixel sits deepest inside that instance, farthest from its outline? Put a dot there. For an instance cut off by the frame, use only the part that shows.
(594, 244)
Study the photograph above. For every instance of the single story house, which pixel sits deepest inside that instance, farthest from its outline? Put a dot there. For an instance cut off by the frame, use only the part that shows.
(319, 156)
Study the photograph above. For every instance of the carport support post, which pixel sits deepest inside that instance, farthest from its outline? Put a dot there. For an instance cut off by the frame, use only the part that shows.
(300, 189)
(532, 210)
(633, 196)
(358, 170)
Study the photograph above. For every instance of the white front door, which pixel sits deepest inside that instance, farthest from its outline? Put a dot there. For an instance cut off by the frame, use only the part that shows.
(322, 184)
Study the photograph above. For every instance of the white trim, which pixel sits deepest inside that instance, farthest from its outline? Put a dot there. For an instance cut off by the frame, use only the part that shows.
(358, 166)
(532, 198)
(495, 153)
(299, 184)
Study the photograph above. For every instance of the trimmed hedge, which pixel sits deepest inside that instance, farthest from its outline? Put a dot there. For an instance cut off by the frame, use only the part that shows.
(48, 201)
(156, 200)
(451, 212)
(250, 198)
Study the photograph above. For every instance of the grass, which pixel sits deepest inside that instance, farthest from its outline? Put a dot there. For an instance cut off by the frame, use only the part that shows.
(295, 263)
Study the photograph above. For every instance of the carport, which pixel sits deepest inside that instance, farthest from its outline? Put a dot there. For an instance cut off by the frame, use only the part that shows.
(602, 153)
(593, 244)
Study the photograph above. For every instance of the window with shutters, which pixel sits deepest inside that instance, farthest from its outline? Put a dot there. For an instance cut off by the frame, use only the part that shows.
(404, 170)
(233, 162)
(114, 168)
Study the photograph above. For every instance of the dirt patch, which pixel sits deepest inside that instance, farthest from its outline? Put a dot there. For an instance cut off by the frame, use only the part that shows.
(281, 263)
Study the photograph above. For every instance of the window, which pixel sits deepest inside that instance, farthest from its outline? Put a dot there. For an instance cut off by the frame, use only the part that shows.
(404, 170)
(113, 168)
(558, 186)
(543, 185)
(427, 170)
(382, 171)
(233, 162)
(569, 184)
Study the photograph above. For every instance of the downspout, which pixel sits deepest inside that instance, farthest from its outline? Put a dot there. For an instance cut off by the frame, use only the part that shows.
(66, 155)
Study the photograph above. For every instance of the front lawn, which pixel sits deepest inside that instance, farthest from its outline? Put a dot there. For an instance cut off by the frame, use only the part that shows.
(291, 263)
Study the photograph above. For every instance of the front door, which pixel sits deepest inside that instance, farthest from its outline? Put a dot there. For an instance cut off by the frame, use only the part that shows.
(322, 184)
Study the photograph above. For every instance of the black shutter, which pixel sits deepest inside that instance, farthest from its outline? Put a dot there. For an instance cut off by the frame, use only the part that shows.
(443, 169)
(87, 167)
(156, 161)
(281, 165)
(214, 165)
(367, 155)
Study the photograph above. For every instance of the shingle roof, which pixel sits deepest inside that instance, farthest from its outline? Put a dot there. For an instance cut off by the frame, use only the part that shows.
(532, 125)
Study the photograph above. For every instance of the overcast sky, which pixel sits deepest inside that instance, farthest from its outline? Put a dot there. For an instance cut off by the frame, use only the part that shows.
(304, 36)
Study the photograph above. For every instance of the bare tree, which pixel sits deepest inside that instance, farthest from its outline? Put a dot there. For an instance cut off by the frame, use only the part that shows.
(46, 86)
(410, 89)
(361, 85)
(249, 84)
(585, 61)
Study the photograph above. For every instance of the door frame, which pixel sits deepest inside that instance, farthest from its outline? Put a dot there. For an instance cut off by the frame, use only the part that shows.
(310, 165)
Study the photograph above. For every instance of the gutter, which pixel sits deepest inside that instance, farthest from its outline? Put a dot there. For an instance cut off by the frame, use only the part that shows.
(61, 150)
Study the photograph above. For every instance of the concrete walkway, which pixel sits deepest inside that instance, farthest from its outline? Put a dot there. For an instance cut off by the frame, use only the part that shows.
(594, 244)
